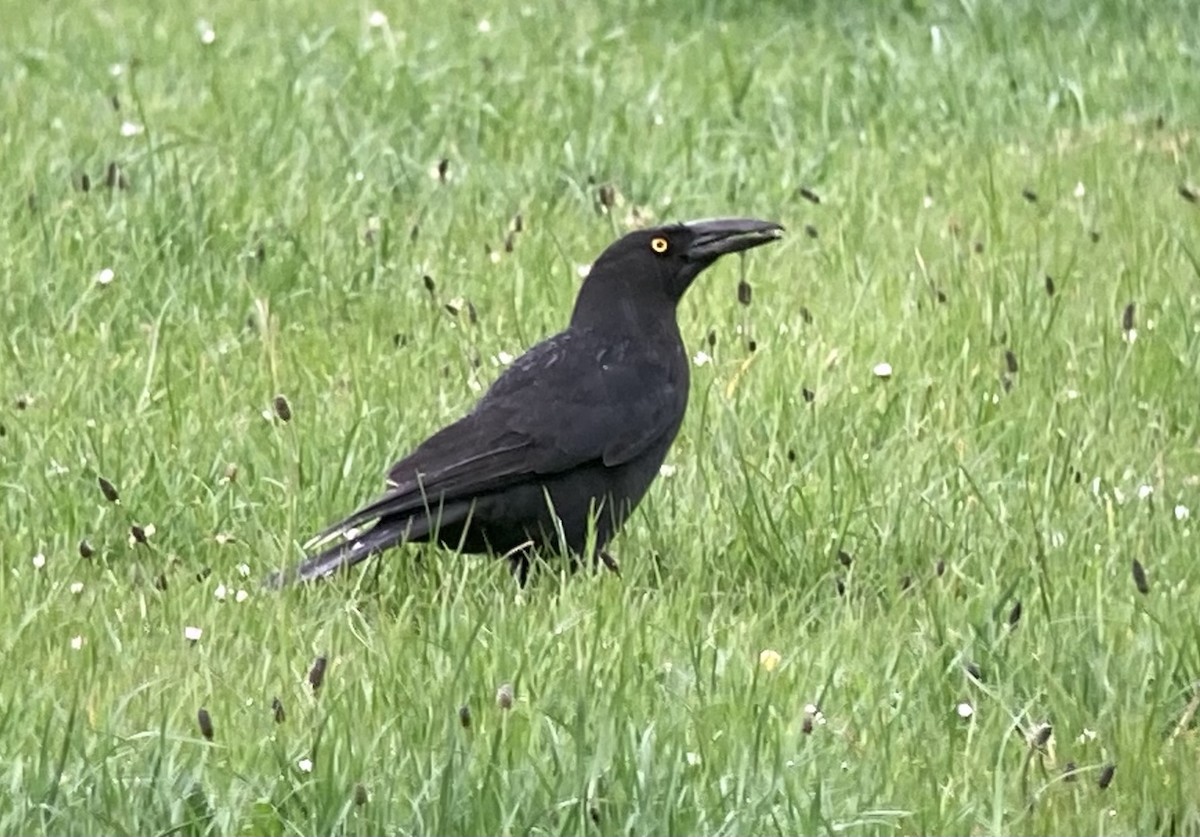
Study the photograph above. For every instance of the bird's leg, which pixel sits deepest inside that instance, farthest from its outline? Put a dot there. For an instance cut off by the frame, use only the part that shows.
(519, 561)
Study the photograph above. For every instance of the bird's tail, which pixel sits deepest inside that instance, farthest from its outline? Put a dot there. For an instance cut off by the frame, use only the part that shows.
(348, 551)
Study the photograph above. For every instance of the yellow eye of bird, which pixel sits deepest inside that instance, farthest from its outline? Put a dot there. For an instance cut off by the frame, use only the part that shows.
(659, 245)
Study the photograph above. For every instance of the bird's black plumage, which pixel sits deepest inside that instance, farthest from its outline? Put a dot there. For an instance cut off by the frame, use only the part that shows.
(566, 442)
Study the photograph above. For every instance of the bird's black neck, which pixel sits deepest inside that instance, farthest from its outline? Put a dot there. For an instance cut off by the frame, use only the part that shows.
(648, 320)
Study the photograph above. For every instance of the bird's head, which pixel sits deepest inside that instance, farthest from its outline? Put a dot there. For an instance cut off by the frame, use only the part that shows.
(652, 268)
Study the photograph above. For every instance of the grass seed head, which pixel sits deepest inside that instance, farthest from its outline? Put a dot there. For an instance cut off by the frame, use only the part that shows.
(1139, 577)
(206, 724)
(744, 292)
(108, 490)
(316, 674)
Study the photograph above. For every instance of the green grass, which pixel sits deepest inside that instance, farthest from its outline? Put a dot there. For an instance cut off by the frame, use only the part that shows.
(279, 217)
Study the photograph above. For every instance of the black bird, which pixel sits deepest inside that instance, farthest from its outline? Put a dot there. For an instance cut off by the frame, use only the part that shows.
(566, 442)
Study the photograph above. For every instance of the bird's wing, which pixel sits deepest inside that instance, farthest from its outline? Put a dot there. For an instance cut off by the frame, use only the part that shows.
(460, 461)
(561, 405)
(581, 399)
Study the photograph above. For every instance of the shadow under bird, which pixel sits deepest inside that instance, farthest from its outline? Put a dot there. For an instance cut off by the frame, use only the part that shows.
(562, 447)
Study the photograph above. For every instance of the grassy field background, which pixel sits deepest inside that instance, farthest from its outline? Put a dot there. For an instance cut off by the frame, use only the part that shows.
(209, 205)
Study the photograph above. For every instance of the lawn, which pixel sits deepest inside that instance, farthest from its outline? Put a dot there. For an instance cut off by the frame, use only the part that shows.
(922, 561)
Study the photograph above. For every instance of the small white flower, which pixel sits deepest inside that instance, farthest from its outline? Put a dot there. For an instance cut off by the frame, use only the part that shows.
(76, 587)
(964, 710)
(666, 470)
(882, 370)
(192, 634)
(1080, 190)
(769, 659)
(131, 129)
(1072, 394)
(221, 592)
(1057, 538)
(39, 561)
(1086, 736)
(76, 643)
(1144, 491)
(484, 26)
(205, 31)
(504, 358)
(927, 201)
(701, 358)
(658, 120)
(582, 270)
(243, 570)
(811, 710)
(377, 19)
(1182, 513)
(1130, 336)
(104, 276)
(241, 596)
(693, 759)
(115, 70)
(305, 765)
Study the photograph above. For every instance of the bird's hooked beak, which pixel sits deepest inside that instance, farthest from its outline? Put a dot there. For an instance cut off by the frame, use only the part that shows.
(714, 237)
